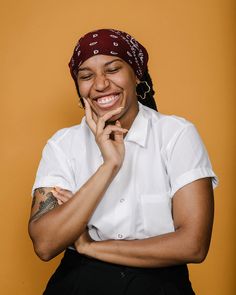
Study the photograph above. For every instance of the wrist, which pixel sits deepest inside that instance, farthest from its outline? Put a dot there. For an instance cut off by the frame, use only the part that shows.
(112, 166)
(89, 250)
(83, 244)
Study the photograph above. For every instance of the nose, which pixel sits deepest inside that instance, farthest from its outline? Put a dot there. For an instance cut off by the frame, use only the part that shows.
(101, 82)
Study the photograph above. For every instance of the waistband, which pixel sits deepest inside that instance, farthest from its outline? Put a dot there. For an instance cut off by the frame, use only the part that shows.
(73, 258)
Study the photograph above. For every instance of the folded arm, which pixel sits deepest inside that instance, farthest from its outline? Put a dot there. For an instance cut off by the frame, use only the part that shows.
(193, 210)
(52, 228)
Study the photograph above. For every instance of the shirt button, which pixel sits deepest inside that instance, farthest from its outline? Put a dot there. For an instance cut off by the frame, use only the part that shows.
(120, 236)
(122, 274)
(122, 200)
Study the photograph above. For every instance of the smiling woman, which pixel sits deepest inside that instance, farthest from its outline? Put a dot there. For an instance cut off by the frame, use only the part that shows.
(108, 83)
(127, 193)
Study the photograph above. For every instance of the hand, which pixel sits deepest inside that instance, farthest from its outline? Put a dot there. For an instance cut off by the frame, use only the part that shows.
(62, 195)
(83, 242)
(112, 150)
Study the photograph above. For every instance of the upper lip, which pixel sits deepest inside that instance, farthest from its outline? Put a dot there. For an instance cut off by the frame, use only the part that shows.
(104, 95)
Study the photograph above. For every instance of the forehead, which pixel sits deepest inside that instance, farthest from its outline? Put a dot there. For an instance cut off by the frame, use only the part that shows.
(100, 60)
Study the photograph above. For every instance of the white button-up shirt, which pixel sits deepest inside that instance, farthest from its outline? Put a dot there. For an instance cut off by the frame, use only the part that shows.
(162, 154)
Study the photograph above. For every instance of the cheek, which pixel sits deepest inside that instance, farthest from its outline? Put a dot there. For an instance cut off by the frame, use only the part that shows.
(125, 82)
(84, 89)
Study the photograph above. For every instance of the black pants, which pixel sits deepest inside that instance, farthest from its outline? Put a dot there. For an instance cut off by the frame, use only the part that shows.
(79, 275)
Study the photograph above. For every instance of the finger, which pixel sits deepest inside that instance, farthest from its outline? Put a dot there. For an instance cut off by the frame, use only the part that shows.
(59, 196)
(102, 120)
(66, 193)
(88, 115)
(95, 117)
(63, 194)
(109, 129)
(118, 136)
(59, 202)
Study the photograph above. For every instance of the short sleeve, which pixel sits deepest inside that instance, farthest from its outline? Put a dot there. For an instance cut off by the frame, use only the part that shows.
(54, 169)
(187, 159)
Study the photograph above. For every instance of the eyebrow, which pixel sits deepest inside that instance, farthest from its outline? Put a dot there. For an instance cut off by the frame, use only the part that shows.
(106, 64)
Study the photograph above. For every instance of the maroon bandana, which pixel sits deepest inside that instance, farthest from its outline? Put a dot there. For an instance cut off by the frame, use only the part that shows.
(109, 42)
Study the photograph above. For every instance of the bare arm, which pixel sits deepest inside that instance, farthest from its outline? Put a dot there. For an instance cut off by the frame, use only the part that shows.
(193, 209)
(53, 232)
(51, 227)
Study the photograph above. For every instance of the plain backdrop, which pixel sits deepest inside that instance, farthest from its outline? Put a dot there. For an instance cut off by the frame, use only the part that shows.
(191, 45)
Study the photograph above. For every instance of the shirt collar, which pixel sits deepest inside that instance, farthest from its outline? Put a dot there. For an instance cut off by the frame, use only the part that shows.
(139, 129)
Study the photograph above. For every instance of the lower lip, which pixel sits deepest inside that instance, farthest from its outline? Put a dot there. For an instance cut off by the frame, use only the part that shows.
(108, 105)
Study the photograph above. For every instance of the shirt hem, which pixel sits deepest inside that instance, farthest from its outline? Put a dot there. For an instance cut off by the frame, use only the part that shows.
(51, 182)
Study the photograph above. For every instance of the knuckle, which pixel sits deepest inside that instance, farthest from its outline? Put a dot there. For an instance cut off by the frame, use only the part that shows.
(108, 128)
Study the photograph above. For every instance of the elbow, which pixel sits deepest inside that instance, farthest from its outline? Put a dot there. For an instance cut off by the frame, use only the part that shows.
(42, 248)
(43, 251)
(197, 253)
(200, 255)
(44, 256)
(195, 248)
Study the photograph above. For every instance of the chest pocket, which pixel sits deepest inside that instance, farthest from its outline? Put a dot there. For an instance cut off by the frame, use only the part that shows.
(156, 214)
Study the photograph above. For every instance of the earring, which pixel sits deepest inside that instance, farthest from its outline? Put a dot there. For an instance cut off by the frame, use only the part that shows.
(140, 87)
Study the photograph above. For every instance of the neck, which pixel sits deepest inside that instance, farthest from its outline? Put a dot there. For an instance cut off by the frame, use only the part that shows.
(128, 118)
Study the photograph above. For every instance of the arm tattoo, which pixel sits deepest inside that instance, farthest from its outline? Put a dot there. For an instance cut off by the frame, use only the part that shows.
(41, 190)
(33, 201)
(45, 206)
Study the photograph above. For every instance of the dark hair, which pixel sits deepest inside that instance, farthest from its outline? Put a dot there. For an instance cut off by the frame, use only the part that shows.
(141, 90)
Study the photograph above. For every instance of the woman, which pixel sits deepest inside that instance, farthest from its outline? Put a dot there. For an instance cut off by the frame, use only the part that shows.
(128, 193)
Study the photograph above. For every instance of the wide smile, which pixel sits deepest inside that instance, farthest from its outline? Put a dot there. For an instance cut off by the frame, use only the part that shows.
(106, 102)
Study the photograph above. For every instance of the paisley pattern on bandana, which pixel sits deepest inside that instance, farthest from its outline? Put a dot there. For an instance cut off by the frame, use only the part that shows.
(109, 42)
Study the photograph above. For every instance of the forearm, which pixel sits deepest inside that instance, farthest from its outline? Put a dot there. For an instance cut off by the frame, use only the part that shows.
(193, 220)
(164, 250)
(54, 231)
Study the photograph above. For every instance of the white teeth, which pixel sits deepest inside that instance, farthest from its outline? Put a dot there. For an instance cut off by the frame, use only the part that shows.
(107, 99)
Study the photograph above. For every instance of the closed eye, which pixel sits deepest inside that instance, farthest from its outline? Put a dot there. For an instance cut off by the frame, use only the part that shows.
(113, 70)
(85, 77)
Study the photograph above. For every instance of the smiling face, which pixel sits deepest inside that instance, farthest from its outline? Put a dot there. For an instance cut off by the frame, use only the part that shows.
(108, 82)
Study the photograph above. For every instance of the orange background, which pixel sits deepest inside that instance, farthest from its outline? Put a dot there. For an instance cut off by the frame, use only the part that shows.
(192, 61)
